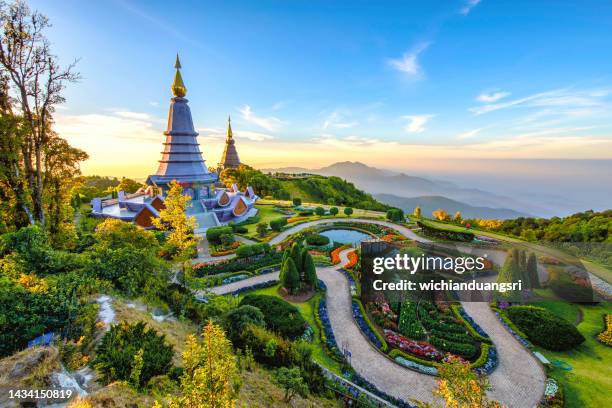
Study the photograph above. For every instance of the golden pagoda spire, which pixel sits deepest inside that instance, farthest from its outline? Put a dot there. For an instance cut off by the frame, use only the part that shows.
(178, 87)
(229, 127)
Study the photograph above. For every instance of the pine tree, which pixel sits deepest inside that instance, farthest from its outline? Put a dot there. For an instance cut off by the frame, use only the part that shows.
(296, 254)
(283, 268)
(532, 271)
(291, 276)
(310, 272)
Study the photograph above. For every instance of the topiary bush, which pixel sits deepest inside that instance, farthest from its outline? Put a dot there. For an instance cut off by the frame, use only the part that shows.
(280, 316)
(245, 251)
(278, 224)
(133, 353)
(213, 234)
(317, 240)
(544, 328)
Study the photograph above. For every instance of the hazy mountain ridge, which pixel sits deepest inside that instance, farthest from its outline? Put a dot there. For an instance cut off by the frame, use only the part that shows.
(391, 187)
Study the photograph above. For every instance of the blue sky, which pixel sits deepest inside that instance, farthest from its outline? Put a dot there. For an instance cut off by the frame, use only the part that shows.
(322, 81)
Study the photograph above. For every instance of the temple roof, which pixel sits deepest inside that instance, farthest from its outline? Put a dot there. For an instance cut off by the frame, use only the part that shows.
(230, 154)
(181, 157)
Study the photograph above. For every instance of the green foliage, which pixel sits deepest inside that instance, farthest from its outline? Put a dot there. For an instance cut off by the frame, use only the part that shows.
(116, 354)
(236, 321)
(310, 272)
(532, 270)
(290, 276)
(317, 240)
(348, 211)
(278, 224)
(280, 316)
(333, 211)
(320, 211)
(126, 255)
(213, 234)
(291, 381)
(263, 184)
(409, 324)
(395, 215)
(545, 329)
(239, 264)
(297, 201)
(262, 229)
(246, 251)
(334, 191)
(445, 234)
(226, 239)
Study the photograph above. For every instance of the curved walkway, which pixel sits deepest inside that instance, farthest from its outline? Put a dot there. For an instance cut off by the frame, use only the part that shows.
(518, 381)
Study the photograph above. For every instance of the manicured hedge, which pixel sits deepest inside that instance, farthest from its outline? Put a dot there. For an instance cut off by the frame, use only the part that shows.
(445, 234)
(235, 265)
(544, 328)
(246, 251)
(281, 317)
(316, 239)
(278, 224)
(367, 328)
(475, 330)
(409, 324)
(213, 234)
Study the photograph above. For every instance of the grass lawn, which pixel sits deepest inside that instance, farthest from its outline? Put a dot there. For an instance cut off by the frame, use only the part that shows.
(307, 309)
(590, 381)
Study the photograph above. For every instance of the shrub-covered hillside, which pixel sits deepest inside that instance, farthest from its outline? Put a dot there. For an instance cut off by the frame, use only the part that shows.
(313, 189)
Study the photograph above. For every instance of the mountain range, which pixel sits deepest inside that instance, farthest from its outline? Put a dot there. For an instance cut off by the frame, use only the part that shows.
(406, 192)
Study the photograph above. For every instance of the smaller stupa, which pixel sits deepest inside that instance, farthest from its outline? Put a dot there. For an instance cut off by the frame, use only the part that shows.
(230, 159)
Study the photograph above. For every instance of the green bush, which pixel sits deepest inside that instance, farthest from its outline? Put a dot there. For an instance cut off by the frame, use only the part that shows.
(395, 215)
(236, 321)
(320, 211)
(544, 328)
(280, 316)
(213, 234)
(333, 211)
(348, 211)
(317, 240)
(306, 213)
(297, 201)
(409, 325)
(278, 224)
(116, 354)
(245, 251)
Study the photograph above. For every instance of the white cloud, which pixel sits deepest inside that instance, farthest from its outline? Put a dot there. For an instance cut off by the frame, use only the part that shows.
(469, 134)
(337, 120)
(492, 96)
(416, 123)
(408, 63)
(468, 6)
(557, 100)
(269, 123)
(280, 105)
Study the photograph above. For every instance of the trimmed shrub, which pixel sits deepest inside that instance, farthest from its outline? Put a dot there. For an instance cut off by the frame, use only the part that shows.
(544, 328)
(236, 321)
(320, 211)
(278, 224)
(348, 211)
(297, 201)
(117, 354)
(245, 251)
(333, 211)
(317, 240)
(213, 234)
(280, 316)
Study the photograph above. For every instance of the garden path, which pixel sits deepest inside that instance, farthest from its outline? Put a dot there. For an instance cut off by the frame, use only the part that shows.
(518, 381)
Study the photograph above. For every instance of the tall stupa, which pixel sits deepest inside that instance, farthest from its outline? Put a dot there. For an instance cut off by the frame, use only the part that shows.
(181, 156)
(230, 159)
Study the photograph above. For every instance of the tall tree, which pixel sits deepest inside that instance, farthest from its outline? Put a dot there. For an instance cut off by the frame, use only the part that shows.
(174, 219)
(211, 376)
(532, 271)
(36, 84)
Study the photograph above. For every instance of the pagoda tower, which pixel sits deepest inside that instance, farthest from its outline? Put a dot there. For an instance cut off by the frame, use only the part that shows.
(181, 156)
(230, 159)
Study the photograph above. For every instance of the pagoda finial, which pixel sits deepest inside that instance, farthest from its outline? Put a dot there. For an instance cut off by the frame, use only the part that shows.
(178, 87)
(229, 127)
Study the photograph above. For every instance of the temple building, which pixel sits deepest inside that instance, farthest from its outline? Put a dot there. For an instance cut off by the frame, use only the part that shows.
(182, 160)
(230, 159)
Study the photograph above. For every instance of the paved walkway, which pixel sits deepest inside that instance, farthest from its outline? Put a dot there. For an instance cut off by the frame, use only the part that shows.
(518, 381)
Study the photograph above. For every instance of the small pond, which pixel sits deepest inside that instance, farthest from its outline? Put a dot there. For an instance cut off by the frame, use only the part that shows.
(345, 236)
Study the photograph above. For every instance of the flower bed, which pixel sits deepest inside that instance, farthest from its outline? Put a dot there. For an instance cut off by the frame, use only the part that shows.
(606, 336)
(225, 250)
(488, 360)
(409, 324)
(416, 366)
(366, 326)
(352, 285)
(473, 327)
(235, 278)
(418, 348)
(553, 394)
(296, 219)
(236, 265)
(255, 286)
(353, 257)
(327, 334)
